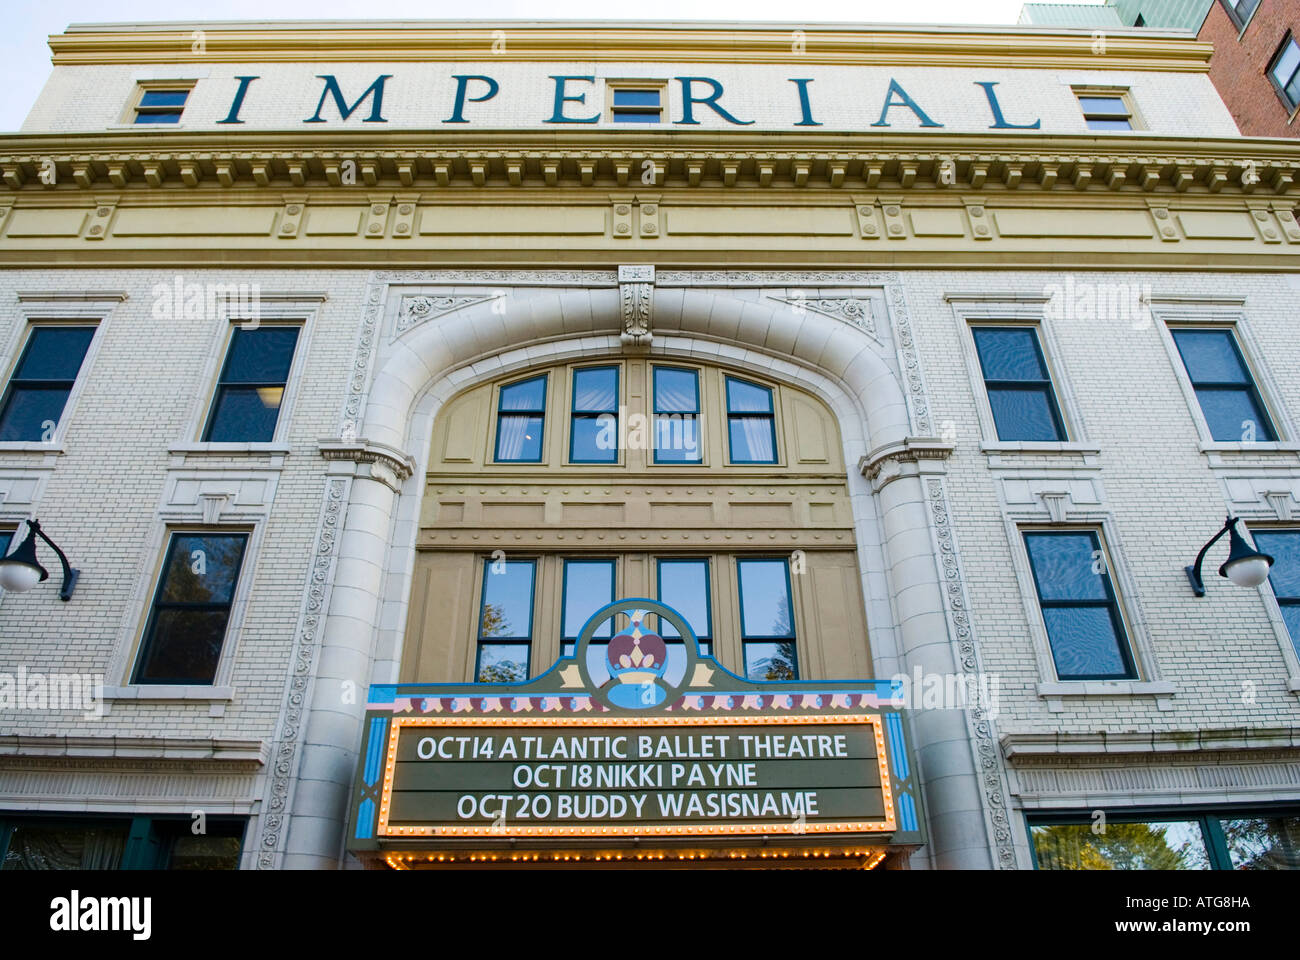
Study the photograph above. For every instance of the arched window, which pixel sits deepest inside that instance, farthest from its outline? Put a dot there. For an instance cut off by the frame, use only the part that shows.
(556, 490)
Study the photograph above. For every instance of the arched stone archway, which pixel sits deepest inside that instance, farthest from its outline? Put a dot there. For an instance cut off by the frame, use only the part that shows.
(417, 372)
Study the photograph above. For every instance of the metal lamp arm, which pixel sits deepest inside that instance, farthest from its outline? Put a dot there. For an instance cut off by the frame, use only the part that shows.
(1194, 572)
(69, 574)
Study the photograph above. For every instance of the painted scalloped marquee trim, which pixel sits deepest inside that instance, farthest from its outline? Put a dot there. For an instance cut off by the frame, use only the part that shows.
(568, 704)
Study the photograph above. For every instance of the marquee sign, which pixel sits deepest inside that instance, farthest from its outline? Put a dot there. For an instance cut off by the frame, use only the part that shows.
(635, 736)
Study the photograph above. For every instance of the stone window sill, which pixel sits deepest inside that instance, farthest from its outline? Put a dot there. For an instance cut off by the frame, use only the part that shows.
(194, 449)
(215, 697)
(1057, 691)
(1040, 447)
(30, 446)
(1272, 448)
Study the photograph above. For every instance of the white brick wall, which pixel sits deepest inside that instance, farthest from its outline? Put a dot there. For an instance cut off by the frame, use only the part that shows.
(84, 98)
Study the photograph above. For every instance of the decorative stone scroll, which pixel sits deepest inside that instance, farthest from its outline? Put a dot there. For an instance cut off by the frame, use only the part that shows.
(636, 295)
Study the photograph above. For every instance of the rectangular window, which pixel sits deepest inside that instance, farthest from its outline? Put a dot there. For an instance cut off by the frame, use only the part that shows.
(1284, 576)
(120, 843)
(505, 630)
(751, 427)
(594, 437)
(1242, 839)
(1284, 71)
(1150, 845)
(1017, 383)
(1232, 407)
(1105, 111)
(191, 608)
(161, 106)
(251, 387)
(6, 540)
(676, 415)
(42, 381)
(588, 586)
(636, 104)
(767, 620)
(1240, 11)
(521, 413)
(66, 845)
(1084, 626)
(684, 586)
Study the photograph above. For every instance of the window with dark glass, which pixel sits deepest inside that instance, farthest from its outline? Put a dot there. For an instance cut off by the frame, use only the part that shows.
(1244, 839)
(1106, 111)
(41, 382)
(588, 586)
(1284, 576)
(505, 623)
(1084, 626)
(1224, 387)
(161, 106)
(676, 415)
(1240, 11)
(751, 423)
(1284, 71)
(637, 105)
(767, 620)
(6, 540)
(521, 415)
(684, 586)
(251, 387)
(1017, 383)
(191, 608)
(159, 842)
(594, 437)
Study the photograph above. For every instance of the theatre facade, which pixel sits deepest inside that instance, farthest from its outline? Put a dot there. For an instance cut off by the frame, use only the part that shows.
(579, 444)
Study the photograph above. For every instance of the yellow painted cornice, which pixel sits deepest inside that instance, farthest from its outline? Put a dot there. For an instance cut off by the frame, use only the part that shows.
(559, 41)
(544, 158)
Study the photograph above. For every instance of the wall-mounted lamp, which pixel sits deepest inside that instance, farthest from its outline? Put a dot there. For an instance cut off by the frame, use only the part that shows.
(1245, 566)
(20, 570)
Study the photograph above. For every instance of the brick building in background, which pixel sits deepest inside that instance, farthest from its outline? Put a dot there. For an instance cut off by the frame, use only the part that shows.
(1256, 63)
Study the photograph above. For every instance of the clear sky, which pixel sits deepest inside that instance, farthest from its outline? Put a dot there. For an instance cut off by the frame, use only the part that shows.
(27, 23)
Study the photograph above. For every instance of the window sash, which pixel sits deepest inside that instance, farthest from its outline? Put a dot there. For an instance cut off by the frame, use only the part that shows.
(538, 413)
(227, 387)
(704, 637)
(605, 632)
(1110, 602)
(586, 415)
(1239, 16)
(745, 634)
(148, 642)
(685, 416)
(1044, 384)
(742, 417)
(1245, 386)
(1286, 87)
(19, 385)
(522, 642)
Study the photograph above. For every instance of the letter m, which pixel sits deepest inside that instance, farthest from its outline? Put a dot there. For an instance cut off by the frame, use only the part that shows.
(116, 913)
(332, 87)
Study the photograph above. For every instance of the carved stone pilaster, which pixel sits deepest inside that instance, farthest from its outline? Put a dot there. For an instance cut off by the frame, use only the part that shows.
(636, 294)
